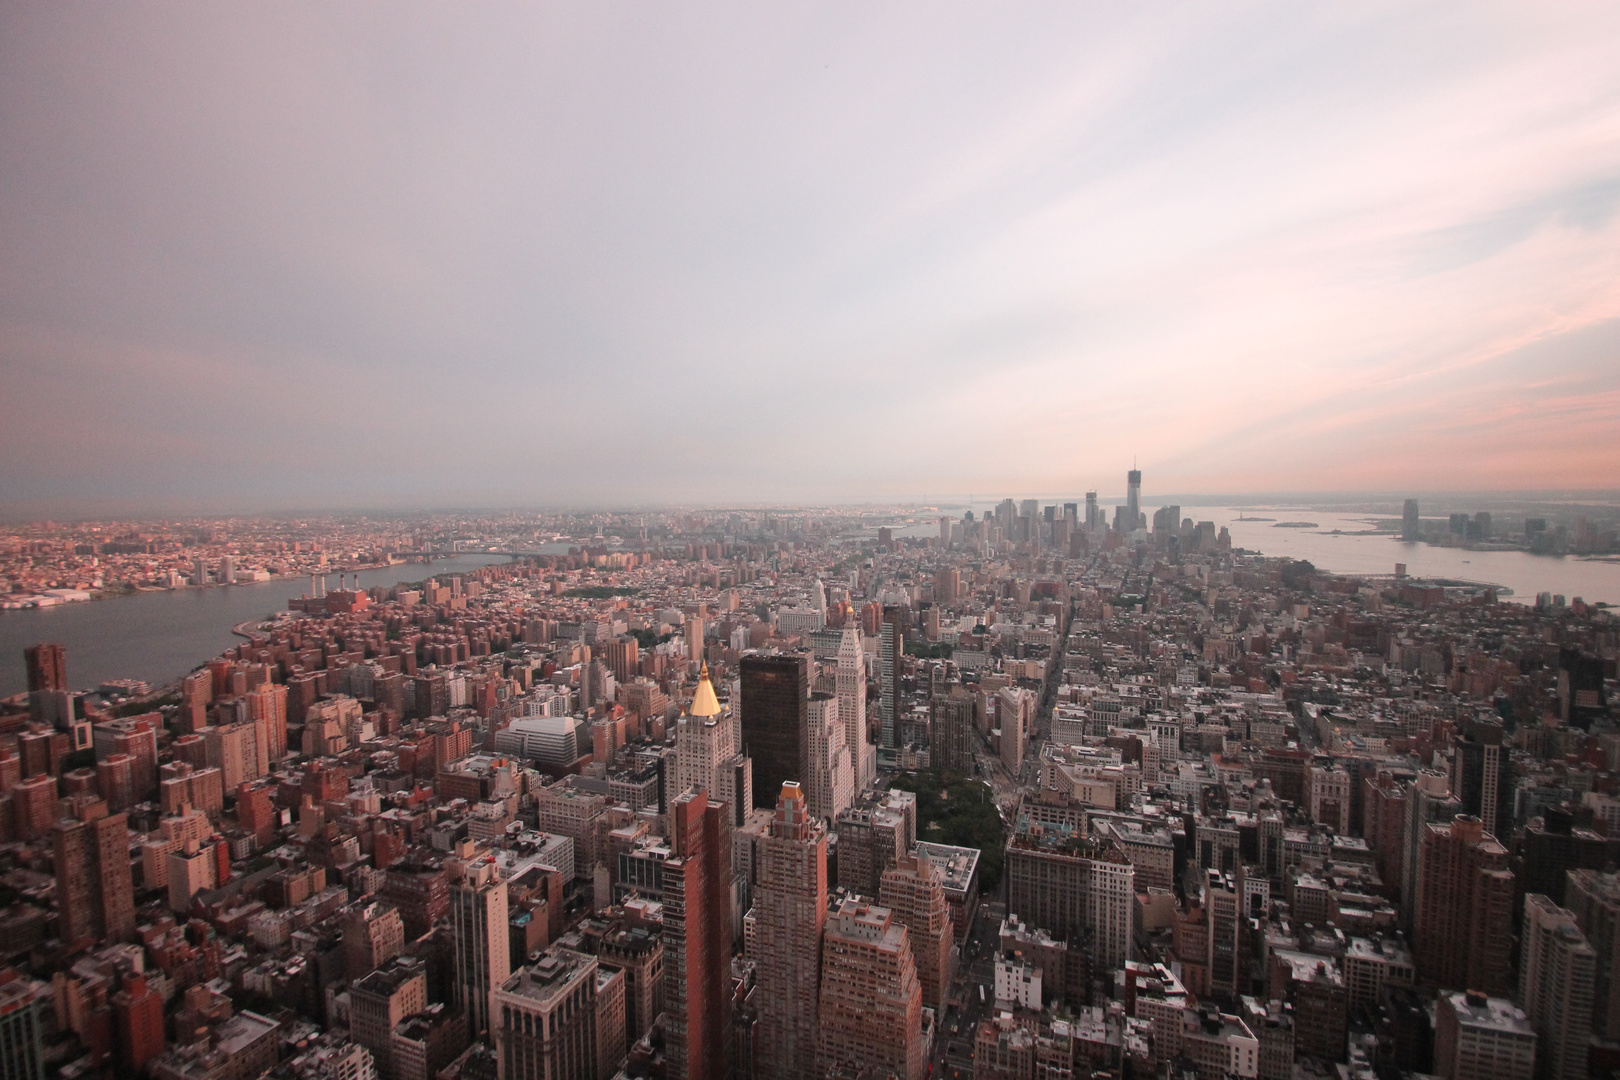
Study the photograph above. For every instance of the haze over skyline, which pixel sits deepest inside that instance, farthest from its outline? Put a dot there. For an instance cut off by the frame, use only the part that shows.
(408, 255)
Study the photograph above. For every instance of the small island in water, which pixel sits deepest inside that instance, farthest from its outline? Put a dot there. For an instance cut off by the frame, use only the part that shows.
(1295, 525)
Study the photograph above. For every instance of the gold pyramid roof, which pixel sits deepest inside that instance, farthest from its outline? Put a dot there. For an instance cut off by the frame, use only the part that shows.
(704, 703)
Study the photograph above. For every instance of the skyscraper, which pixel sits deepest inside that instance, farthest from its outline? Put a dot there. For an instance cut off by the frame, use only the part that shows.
(892, 643)
(1557, 969)
(694, 637)
(267, 712)
(914, 891)
(478, 916)
(775, 711)
(47, 671)
(1482, 776)
(1594, 900)
(830, 785)
(851, 683)
(1133, 500)
(708, 750)
(871, 999)
(952, 738)
(47, 667)
(790, 909)
(1411, 526)
(1464, 927)
(94, 887)
(697, 940)
(1093, 515)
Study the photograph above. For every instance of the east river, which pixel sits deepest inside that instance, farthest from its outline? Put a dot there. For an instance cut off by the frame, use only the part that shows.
(159, 636)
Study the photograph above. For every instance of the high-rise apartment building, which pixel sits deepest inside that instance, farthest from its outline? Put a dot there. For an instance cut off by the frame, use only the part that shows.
(46, 665)
(775, 711)
(1411, 526)
(1482, 776)
(1593, 898)
(267, 713)
(1427, 799)
(34, 802)
(192, 868)
(694, 638)
(231, 748)
(697, 940)
(1557, 972)
(913, 890)
(478, 918)
(871, 999)
(790, 910)
(138, 1009)
(851, 686)
(708, 750)
(95, 889)
(1464, 926)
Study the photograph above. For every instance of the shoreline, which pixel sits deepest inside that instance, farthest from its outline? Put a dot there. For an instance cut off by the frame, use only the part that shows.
(99, 595)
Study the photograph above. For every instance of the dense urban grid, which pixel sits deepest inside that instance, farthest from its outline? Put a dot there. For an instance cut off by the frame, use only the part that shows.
(718, 795)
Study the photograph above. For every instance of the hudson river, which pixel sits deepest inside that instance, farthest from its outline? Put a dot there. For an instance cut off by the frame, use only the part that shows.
(1520, 571)
(159, 636)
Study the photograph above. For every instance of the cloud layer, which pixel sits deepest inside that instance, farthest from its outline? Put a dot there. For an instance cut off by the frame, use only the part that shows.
(377, 254)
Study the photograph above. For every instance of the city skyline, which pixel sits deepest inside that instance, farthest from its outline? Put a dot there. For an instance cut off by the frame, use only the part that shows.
(255, 258)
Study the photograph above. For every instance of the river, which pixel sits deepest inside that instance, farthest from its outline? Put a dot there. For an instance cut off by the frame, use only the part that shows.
(1345, 553)
(159, 636)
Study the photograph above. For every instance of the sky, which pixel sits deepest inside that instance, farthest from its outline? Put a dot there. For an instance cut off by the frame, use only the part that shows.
(275, 256)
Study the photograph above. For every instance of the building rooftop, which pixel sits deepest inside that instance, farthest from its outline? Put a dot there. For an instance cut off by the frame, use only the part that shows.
(957, 866)
(548, 975)
(1475, 1010)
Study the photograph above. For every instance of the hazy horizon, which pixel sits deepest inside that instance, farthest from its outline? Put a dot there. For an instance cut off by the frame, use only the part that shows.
(1432, 503)
(406, 255)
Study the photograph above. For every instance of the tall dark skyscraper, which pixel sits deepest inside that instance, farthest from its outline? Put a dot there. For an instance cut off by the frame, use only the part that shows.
(1482, 775)
(47, 670)
(891, 644)
(47, 667)
(1091, 509)
(1410, 528)
(775, 721)
(1133, 500)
